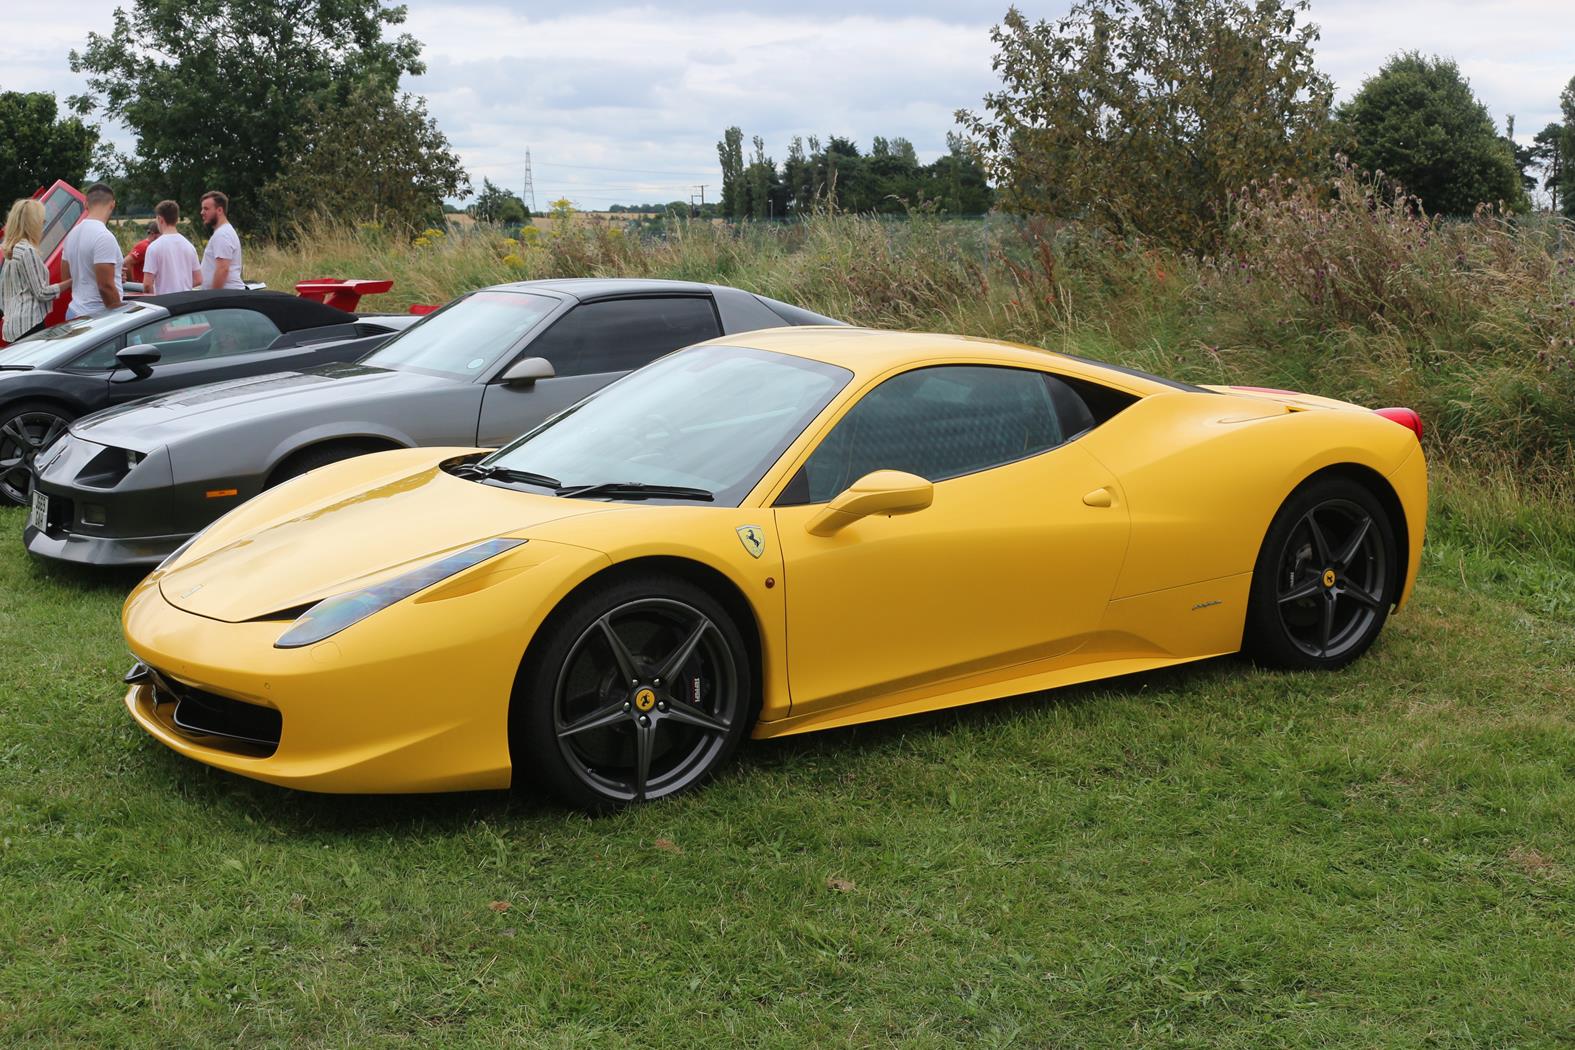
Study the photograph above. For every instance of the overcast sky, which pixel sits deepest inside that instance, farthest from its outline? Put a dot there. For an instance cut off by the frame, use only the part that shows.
(621, 102)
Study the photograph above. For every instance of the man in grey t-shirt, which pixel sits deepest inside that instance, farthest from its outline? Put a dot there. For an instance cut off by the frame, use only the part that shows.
(90, 257)
(221, 259)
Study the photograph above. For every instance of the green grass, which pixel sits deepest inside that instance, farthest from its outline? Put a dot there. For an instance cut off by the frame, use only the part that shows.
(1213, 856)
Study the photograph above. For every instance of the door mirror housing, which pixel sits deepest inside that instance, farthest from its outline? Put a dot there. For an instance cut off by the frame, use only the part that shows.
(879, 492)
(140, 359)
(527, 370)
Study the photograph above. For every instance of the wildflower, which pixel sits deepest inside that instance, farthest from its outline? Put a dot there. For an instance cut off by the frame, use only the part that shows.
(513, 261)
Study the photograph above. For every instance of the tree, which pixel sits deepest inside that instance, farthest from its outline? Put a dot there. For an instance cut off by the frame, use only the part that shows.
(1566, 181)
(1547, 156)
(36, 148)
(502, 206)
(374, 157)
(216, 91)
(1148, 116)
(730, 151)
(1418, 122)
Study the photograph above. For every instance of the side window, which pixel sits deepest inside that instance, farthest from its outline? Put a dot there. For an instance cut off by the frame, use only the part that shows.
(205, 335)
(938, 423)
(617, 335)
(61, 211)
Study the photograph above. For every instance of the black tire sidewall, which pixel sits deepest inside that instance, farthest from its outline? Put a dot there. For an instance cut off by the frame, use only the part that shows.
(1265, 638)
(533, 746)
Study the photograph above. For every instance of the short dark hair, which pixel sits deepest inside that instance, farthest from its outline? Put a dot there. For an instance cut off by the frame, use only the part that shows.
(98, 193)
(219, 199)
(169, 211)
(152, 230)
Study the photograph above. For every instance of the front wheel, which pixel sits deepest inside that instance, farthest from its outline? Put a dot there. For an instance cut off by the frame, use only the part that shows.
(26, 429)
(636, 691)
(1325, 578)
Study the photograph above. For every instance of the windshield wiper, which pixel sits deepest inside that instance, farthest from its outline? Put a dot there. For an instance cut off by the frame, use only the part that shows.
(635, 490)
(479, 473)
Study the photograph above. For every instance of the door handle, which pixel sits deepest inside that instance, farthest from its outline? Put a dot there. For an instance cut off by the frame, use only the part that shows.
(1100, 497)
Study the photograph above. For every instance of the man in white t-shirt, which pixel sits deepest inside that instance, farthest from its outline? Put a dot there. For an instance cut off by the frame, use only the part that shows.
(90, 257)
(221, 259)
(171, 262)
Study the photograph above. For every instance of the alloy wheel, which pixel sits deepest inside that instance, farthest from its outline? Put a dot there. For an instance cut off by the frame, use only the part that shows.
(22, 437)
(1332, 579)
(646, 699)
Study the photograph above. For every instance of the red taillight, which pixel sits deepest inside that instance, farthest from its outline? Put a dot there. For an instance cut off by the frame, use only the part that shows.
(1405, 417)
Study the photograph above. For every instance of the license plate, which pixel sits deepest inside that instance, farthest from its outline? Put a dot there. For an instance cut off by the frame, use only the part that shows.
(39, 517)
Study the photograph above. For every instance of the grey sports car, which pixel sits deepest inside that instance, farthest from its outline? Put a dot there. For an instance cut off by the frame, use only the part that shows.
(128, 485)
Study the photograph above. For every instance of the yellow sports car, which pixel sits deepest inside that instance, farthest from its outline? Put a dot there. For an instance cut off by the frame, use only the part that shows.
(768, 534)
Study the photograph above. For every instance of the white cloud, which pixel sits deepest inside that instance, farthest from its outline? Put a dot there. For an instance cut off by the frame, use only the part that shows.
(621, 101)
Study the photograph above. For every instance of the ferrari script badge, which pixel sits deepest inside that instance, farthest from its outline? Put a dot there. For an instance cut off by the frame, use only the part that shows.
(753, 537)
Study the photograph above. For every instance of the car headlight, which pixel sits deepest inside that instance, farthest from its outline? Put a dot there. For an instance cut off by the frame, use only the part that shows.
(332, 615)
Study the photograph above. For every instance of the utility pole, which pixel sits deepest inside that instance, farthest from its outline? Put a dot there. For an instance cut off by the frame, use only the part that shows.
(530, 185)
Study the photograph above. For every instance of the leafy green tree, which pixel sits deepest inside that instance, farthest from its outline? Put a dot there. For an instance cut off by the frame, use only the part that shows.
(375, 156)
(1149, 116)
(1418, 122)
(498, 205)
(956, 180)
(216, 91)
(1547, 156)
(730, 151)
(1566, 179)
(37, 147)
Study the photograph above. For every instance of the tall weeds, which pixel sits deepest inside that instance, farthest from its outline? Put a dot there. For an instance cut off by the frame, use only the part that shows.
(1341, 288)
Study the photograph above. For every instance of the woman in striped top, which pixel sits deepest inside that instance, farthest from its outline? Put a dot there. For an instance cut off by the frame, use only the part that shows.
(25, 291)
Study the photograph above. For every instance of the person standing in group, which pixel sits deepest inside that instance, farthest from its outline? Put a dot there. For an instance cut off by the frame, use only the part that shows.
(171, 263)
(25, 290)
(91, 258)
(221, 259)
(132, 267)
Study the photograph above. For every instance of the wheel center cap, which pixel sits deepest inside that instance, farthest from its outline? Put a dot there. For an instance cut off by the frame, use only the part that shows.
(1328, 577)
(645, 698)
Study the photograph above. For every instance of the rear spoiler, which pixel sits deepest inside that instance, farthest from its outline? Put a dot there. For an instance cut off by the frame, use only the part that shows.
(346, 295)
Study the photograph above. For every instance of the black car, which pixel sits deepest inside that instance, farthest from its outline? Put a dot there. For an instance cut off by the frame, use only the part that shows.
(155, 345)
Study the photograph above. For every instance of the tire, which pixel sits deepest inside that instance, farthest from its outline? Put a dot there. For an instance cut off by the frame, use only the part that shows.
(308, 460)
(26, 429)
(1325, 578)
(603, 729)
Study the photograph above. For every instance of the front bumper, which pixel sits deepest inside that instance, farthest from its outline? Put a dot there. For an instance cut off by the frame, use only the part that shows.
(413, 699)
(132, 517)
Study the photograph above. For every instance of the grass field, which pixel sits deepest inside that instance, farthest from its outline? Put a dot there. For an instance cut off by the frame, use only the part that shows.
(1213, 856)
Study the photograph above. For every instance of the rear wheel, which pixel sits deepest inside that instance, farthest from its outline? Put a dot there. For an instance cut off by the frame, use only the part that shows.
(638, 690)
(26, 429)
(1325, 578)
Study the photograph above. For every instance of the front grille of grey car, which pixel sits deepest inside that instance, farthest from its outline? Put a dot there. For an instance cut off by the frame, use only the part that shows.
(218, 721)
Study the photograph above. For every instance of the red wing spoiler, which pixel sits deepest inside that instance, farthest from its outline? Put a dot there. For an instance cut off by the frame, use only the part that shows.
(346, 295)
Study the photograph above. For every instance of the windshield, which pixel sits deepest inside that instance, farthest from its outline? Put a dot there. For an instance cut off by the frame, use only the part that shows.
(711, 417)
(466, 337)
(64, 341)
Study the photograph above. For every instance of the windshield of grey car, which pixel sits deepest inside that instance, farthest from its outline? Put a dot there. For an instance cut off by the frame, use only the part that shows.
(465, 338)
(711, 417)
(62, 343)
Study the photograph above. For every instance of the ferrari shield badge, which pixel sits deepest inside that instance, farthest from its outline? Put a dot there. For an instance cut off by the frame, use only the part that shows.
(753, 537)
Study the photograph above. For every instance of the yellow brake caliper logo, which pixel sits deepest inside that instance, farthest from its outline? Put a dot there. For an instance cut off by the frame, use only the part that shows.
(645, 699)
(753, 537)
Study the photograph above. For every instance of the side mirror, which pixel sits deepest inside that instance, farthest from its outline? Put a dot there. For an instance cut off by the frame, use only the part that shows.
(140, 359)
(527, 371)
(880, 492)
